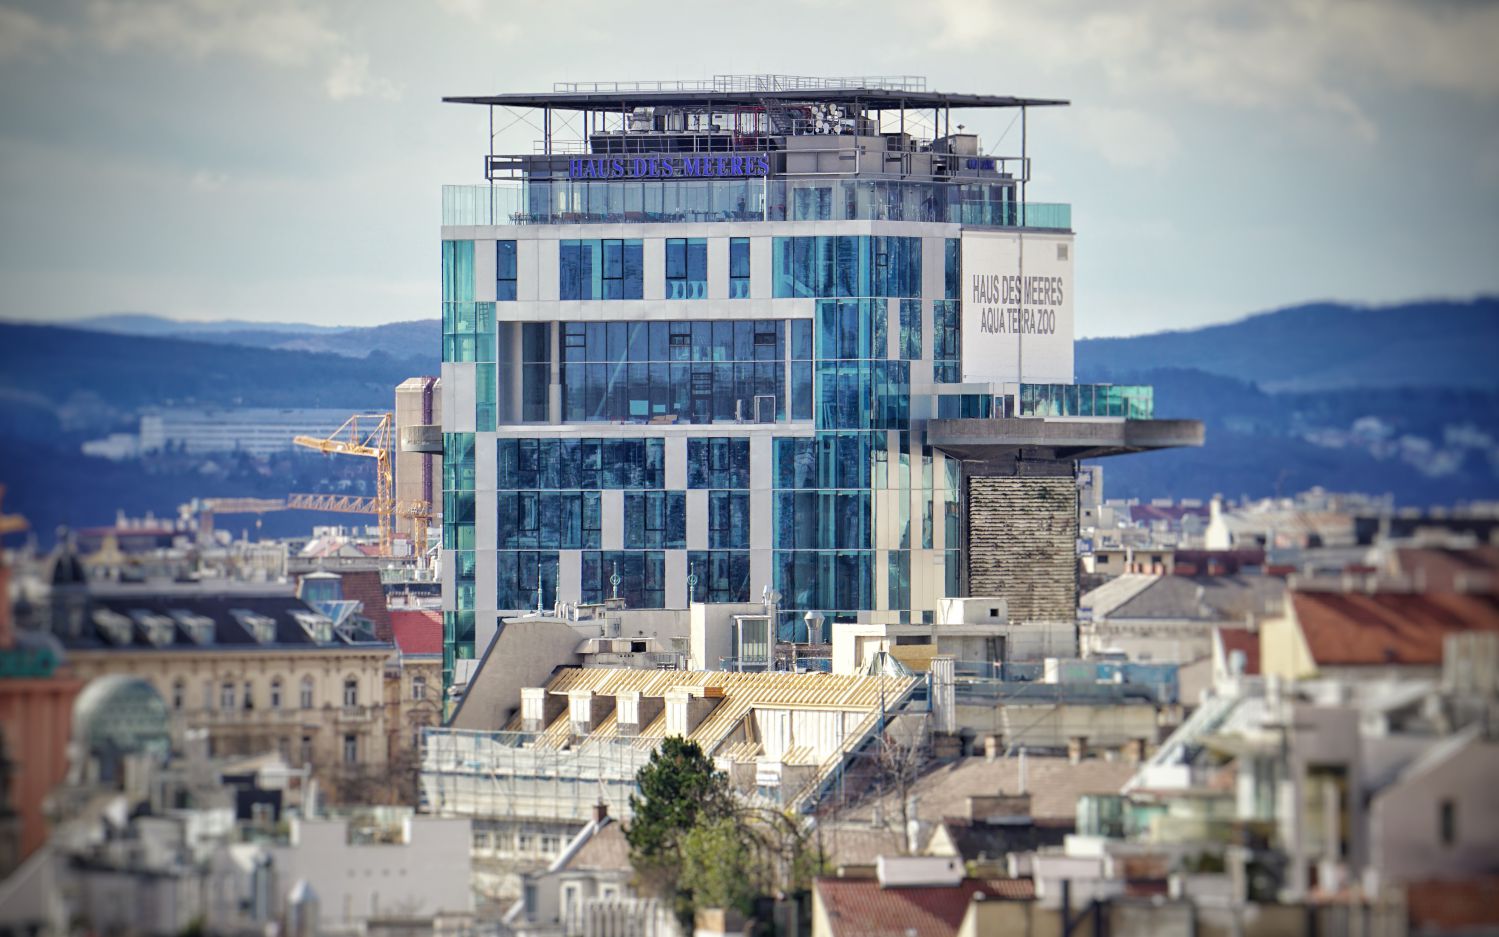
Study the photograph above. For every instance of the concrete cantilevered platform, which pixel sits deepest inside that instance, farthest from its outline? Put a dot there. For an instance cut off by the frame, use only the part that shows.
(1006, 438)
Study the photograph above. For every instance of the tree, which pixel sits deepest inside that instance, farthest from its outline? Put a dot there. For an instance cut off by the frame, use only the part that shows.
(679, 789)
(723, 866)
(903, 755)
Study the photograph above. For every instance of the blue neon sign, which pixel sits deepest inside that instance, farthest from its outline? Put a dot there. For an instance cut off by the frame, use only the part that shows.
(728, 166)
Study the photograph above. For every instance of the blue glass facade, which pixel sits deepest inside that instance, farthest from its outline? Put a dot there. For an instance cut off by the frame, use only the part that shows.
(693, 371)
(711, 419)
(602, 269)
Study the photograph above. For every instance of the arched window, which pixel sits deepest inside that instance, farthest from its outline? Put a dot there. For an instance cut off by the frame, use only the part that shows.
(275, 692)
(351, 691)
(418, 687)
(307, 693)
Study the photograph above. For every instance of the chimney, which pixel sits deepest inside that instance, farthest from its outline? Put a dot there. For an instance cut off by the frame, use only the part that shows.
(1077, 748)
(600, 812)
(994, 746)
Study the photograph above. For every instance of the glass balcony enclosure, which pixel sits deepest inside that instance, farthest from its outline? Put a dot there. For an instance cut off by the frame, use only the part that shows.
(560, 201)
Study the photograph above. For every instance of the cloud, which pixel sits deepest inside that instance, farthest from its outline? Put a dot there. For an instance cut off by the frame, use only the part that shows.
(1318, 55)
(1127, 137)
(274, 33)
(351, 78)
(22, 35)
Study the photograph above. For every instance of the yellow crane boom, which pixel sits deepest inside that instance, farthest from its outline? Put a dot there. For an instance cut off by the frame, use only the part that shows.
(374, 437)
(421, 511)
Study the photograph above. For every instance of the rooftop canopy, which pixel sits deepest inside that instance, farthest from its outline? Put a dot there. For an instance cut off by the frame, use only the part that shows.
(869, 93)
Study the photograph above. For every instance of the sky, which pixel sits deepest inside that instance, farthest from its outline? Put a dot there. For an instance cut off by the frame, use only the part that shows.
(282, 161)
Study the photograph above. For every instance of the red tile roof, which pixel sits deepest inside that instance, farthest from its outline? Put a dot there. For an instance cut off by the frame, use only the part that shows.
(1453, 905)
(1437, 569)
(1350, 629)
(417, 631)
(1242, 639)
(860, 907)
(364, 586)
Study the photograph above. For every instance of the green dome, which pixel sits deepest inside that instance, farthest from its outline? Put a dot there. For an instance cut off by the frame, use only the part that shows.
(121, 715)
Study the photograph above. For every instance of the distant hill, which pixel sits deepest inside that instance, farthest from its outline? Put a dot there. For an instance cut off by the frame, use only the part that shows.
(1322, 345)
(419, 341)
(140, 323)
(127, 372)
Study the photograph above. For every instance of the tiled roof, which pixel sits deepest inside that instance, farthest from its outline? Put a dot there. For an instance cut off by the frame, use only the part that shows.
(1446, 906)
(1054, 785)
(605, 851)
(1434, 569)
(1202, 598)
(1245, 641)
(417, 631)
(859, 845)
(1350, 629)
(980, 841)
(860, 907)
(363, 585)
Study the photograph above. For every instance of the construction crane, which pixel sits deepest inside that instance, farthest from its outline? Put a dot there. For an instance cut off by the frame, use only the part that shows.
(372, 436)
(419, 511)
(205, 508)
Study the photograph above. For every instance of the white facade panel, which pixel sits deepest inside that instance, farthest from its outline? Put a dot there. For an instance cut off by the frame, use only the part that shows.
(1017, 307)
(653, 257)
(675, 453)
(612, 521)
(528, 269)
(697, 519)
(485, 535)
(569, 575)
(485, 562)
(718, 268)
(458, 388)
(484, 271)
(548, 269)
(676, 578)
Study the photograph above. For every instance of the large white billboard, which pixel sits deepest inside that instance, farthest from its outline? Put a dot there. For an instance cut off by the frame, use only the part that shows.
(1017, 307)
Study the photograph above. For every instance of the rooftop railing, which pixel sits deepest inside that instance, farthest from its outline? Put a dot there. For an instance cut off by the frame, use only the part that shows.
(747, 83)
(728, 200)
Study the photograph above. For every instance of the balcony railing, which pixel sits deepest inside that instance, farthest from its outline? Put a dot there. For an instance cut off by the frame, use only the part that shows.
(654, 201)
(1130, 401)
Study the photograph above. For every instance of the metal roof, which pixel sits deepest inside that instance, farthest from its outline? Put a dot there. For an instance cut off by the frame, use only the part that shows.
(870, 98)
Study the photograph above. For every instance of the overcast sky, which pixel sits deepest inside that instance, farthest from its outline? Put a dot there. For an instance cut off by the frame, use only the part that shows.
(282, 161)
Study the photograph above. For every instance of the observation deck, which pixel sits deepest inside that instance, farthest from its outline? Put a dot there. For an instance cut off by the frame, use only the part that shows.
(753, 148)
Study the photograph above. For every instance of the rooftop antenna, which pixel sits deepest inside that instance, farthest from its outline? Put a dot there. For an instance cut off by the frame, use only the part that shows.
(614, 582)
(692, 584)
(538, 594)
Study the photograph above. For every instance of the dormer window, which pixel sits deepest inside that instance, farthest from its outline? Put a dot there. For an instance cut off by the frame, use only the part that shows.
(261, 627)
(160, 630)
(318, 627)
(117, 628)
(198, 627)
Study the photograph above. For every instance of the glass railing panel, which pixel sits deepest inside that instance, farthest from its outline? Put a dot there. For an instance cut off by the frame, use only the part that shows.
(562, 201)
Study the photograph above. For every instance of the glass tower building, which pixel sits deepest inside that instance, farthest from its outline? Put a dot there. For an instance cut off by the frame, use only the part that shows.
(746, 335)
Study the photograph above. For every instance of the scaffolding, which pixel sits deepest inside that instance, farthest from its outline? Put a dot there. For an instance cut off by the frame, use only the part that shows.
(502, 775)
